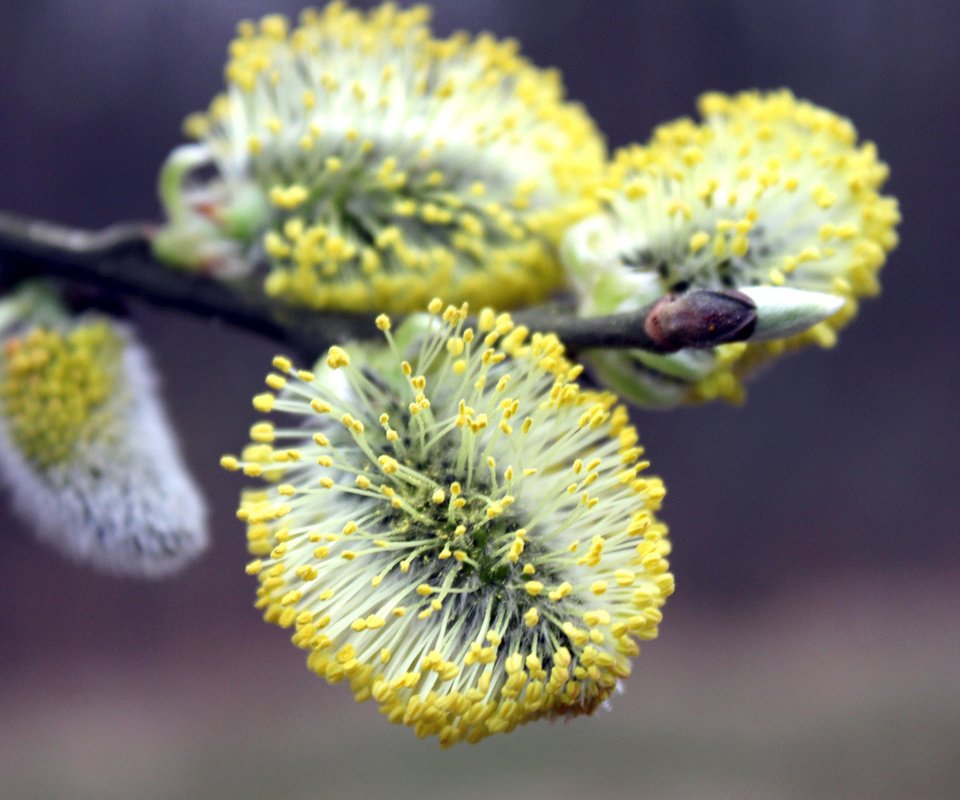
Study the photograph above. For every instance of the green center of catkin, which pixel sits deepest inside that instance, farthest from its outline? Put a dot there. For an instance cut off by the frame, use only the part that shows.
(53, 385)
(485, 542)
(680, 270)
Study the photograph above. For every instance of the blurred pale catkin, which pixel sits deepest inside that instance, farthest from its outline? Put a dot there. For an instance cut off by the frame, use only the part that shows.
(87, 452)
(368, 162)
(767, 193)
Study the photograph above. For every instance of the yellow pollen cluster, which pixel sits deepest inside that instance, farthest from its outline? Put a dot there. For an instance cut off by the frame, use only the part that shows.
(52, 386)
(394, 161)
(467, 575)
(768, 191)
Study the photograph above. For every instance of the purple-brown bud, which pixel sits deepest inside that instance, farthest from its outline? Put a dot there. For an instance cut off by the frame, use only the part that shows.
(701, 318)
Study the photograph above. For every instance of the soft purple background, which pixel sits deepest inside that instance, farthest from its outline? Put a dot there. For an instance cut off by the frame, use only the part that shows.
(812, 649)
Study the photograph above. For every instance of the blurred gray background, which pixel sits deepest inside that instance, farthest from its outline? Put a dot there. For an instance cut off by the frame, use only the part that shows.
(812, 648)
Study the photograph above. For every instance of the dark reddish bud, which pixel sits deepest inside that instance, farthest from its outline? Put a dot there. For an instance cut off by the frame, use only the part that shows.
(701, 318)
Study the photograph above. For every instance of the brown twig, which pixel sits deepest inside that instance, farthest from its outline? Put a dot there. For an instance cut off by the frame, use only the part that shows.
(118, 260)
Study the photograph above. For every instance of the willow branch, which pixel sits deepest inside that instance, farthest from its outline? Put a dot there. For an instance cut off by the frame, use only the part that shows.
(118, 260)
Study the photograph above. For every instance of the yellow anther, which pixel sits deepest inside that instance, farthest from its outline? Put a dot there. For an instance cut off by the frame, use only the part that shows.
(282, 363)
(337, 357)
(264, 402)
(388, 464)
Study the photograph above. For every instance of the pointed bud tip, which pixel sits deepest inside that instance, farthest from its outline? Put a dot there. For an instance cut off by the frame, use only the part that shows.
(784, 311)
